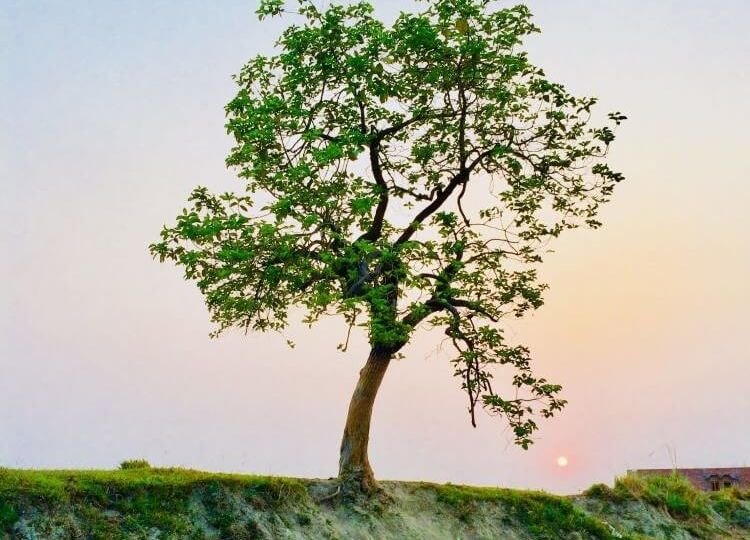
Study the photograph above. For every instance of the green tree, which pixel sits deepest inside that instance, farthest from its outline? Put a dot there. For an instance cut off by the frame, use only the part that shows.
(402, 176)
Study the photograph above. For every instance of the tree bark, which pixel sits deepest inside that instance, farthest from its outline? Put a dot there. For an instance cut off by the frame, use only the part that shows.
(355, 473)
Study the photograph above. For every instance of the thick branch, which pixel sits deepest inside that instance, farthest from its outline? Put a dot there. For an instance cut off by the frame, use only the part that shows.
(473, 306)
(377, 223)
(459, 179)
(376, 228)
(431, 208)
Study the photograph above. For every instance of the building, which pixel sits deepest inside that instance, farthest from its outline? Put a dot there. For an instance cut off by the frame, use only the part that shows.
(708, 479)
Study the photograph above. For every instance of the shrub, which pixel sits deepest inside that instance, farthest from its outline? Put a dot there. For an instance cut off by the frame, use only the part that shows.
(727, 503)
(673, 492)
(129, 464)
(603, 492)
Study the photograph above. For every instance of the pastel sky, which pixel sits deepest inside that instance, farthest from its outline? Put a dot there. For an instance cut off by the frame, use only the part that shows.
(112, 111)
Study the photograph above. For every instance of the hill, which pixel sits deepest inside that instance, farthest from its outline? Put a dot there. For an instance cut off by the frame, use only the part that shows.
(146, 503)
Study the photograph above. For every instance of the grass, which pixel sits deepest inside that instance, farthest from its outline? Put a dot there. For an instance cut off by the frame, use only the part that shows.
(544, 516)
(8, 515)
(677, 496)
(673, 492)
(144, 497)
(728, 504)
(136, 500)
(62, 486)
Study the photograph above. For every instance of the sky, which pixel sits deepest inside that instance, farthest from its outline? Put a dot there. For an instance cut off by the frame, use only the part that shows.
(113, 111)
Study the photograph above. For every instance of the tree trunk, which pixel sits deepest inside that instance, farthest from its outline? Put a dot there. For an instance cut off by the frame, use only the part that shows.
(355, 473)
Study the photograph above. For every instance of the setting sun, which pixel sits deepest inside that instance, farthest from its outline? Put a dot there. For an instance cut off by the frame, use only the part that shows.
(562, 461)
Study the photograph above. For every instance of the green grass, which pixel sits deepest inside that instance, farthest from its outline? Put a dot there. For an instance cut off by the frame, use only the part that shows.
(135, 500)
(145, 498)
(8, 515)
(605, 493)
(62, 486)
(677, 496)
(544, 516)
(728, 504)
(673, 492)
(687, 505)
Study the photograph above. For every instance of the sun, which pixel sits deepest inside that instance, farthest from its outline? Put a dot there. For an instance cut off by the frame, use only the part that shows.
(562, 462)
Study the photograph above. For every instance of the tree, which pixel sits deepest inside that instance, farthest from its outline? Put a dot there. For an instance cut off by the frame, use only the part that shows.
(401, 176)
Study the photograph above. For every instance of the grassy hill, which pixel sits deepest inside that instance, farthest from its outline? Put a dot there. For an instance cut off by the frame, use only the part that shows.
(144, 503)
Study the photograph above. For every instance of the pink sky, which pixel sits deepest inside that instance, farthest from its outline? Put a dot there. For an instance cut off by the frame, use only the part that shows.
(112, 113)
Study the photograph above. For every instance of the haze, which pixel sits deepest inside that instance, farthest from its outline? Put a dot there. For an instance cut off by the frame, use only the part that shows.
(113, 111)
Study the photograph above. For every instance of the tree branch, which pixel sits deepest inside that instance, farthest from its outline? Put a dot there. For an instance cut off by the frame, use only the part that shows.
(376, 228)
(431, 208)
(461, 178)
(473, 306)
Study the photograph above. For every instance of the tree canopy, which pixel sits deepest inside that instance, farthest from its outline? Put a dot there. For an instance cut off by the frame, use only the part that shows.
(403, 176)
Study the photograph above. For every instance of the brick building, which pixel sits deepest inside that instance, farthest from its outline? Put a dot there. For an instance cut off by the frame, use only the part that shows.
(708, 479)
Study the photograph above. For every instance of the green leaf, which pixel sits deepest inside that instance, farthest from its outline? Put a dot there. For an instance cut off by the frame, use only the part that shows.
(403, 175)
(269, 8)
